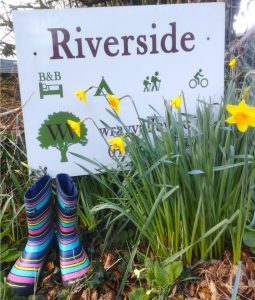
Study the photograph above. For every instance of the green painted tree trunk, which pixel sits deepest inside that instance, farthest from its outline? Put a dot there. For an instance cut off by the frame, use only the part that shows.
(63, 155)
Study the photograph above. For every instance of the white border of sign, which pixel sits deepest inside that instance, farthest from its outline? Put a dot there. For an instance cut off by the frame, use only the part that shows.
(124, 45)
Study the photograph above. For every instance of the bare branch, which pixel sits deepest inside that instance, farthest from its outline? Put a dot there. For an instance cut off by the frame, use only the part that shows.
(238, 44)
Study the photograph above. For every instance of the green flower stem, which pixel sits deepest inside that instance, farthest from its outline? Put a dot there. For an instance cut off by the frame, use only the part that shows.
(244, 206)
(186, 118)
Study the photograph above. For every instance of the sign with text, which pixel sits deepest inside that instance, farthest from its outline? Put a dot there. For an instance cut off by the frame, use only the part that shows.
(151, 53)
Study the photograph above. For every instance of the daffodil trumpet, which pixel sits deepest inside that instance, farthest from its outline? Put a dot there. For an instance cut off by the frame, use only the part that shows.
(120, 98)
(82, 94)
(176, 102)
(76, 125)
(117, 143)
(114, 101)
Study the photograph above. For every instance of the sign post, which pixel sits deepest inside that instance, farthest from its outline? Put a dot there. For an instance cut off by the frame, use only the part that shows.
(149, 52)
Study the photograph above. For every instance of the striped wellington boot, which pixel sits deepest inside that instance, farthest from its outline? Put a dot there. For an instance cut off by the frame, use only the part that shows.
(74, 261)
(24, 274)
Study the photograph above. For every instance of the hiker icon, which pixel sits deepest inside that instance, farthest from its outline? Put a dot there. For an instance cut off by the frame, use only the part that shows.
(194, 82)
(155, 81)
(146, 84)
(153, 84)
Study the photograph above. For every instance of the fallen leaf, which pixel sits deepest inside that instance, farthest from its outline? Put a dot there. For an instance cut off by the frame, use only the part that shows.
(108, 296)
(50, 266)
(204, 294)
(117, 275)
(109, 260)
(173, 293)
(52, 294)
(213, 290)
(89, 294)
(223, 271)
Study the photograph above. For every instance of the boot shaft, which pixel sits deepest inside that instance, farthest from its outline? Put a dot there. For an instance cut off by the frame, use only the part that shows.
(38, 205)
(67, 196)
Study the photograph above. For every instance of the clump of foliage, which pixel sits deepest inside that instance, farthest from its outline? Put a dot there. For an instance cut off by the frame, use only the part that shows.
(183, 176)
(159, 280)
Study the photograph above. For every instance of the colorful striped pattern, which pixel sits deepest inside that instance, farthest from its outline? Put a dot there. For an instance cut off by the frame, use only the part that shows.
(74, 262)
(24, 274)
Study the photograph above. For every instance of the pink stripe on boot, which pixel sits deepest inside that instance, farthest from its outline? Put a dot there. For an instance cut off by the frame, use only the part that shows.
(75, 275)
(40, 230)
(66, 229)
(67, 263)
(20, 279)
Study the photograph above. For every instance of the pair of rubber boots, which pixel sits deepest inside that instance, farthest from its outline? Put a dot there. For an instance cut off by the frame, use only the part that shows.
(74, 262)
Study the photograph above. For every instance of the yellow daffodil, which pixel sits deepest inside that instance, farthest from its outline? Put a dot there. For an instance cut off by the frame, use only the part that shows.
(242, 115)
(176, 102)
(233, 62)
(82, 94)
(75, 126)
(117, 143)
(114, 102)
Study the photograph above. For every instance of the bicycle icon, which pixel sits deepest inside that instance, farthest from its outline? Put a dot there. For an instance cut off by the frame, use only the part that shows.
(194, 82)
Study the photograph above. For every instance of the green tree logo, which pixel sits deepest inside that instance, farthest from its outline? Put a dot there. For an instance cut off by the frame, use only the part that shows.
(55, 132)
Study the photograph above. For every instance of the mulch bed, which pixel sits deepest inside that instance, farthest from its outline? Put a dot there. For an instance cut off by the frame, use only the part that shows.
(211, 280)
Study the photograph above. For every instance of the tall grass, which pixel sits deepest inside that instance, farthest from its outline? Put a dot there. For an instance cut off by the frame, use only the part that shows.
(12, 185)
(197, 165)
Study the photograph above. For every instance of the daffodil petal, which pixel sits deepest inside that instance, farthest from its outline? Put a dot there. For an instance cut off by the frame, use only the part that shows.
(176, 102)
(232, 109)
(110, 141)
(251, 112)
(82, 95)
(122, 150)
(252, 122)
(114, 103)
(75, 126)
(117, 109)
(242, 104)
(242, 127)
(117, 144)
(231, 120)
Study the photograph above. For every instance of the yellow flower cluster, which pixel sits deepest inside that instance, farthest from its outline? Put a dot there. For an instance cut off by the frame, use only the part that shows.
(116, 143)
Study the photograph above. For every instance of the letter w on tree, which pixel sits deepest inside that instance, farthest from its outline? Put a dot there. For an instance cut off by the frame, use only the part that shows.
(55, 132)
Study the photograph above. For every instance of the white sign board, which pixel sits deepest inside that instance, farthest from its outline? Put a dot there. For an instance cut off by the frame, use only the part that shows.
(149, 52)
